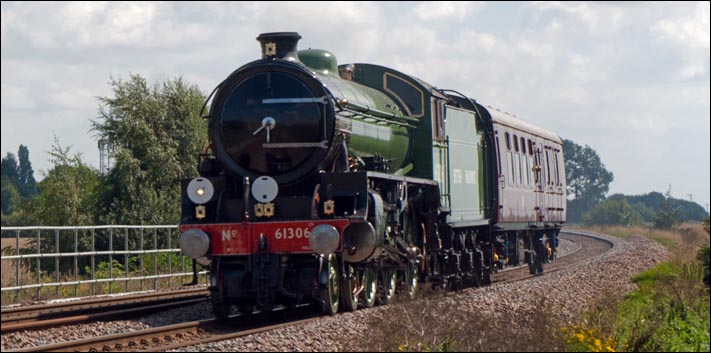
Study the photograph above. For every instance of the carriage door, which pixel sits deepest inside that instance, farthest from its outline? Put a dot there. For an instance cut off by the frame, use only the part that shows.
(539, 178)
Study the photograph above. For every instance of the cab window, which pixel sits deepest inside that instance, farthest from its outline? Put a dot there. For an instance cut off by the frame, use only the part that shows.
(408, 95)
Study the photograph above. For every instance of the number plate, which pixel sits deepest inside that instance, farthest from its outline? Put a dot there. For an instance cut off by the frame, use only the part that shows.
(282, 237)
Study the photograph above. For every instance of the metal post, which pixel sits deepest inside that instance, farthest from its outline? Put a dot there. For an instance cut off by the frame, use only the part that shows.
(76, 262)
(125, 257)
(111, 259)
(17, 264)
(39, 273)
(93, 261)
(56, 259)
(141, 258)
(170, 259)
(155, 259)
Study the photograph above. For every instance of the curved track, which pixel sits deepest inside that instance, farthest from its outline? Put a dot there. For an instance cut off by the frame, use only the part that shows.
(589, 246)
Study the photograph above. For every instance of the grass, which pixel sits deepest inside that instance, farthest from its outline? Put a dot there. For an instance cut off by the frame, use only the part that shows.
(682, 242)
(668, 312)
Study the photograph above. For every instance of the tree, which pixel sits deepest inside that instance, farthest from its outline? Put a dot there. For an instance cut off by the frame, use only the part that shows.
(587, 178)
(9, 169)
(27, 184)
(18, 186)
(157, 134)
(667, 217)
(648, 205)
(10, 178)
(10, 197)
(70, 192)
(612, 212)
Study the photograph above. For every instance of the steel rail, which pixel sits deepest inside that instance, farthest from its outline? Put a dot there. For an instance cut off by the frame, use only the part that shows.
(152, 339)
(63, 313)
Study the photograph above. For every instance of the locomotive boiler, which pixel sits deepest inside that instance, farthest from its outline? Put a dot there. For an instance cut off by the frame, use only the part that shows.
(340, 185)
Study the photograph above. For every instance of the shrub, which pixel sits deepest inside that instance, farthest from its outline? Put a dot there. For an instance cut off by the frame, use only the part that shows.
(705, 259)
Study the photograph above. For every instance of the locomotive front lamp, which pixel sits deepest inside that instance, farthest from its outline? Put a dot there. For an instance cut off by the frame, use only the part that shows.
(200, 190)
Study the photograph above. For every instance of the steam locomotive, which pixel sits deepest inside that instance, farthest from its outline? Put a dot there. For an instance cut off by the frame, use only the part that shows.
(339, 185)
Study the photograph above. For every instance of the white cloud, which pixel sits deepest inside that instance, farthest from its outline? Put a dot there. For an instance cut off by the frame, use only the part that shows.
(16, 97)
(445, 10)
(687, 27)
(693, 70)
(599, 18)
(690, 29)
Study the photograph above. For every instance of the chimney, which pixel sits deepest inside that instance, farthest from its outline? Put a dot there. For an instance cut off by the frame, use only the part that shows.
(279, 45)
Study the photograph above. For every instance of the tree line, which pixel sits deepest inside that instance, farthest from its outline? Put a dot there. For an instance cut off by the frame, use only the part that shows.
(588, 184)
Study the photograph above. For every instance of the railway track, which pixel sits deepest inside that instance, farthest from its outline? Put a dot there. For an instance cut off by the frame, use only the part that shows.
(206, 331)
(590, 246)
(181, 335)
(72, 312)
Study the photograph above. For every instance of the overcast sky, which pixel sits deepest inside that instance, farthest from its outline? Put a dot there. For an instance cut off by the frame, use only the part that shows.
(629, 79)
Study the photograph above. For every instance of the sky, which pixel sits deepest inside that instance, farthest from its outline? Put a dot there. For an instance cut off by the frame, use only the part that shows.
(629, 79)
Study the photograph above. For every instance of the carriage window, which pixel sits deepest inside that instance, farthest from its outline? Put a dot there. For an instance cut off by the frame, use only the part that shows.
(537, 162)
(498, 154)
(511, 168)
(508, 142)
(407, 94)
(557, 173)
(523, 145)
(515, 138)
(548, 168)
(530, 147)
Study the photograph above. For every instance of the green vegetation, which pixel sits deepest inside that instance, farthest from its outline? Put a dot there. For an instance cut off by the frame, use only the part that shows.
(668, 312)
(587, 179)
(648, 205)
(612, 212)
(155, 134)
(705, 257)
(69, 193)
(18, 187)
